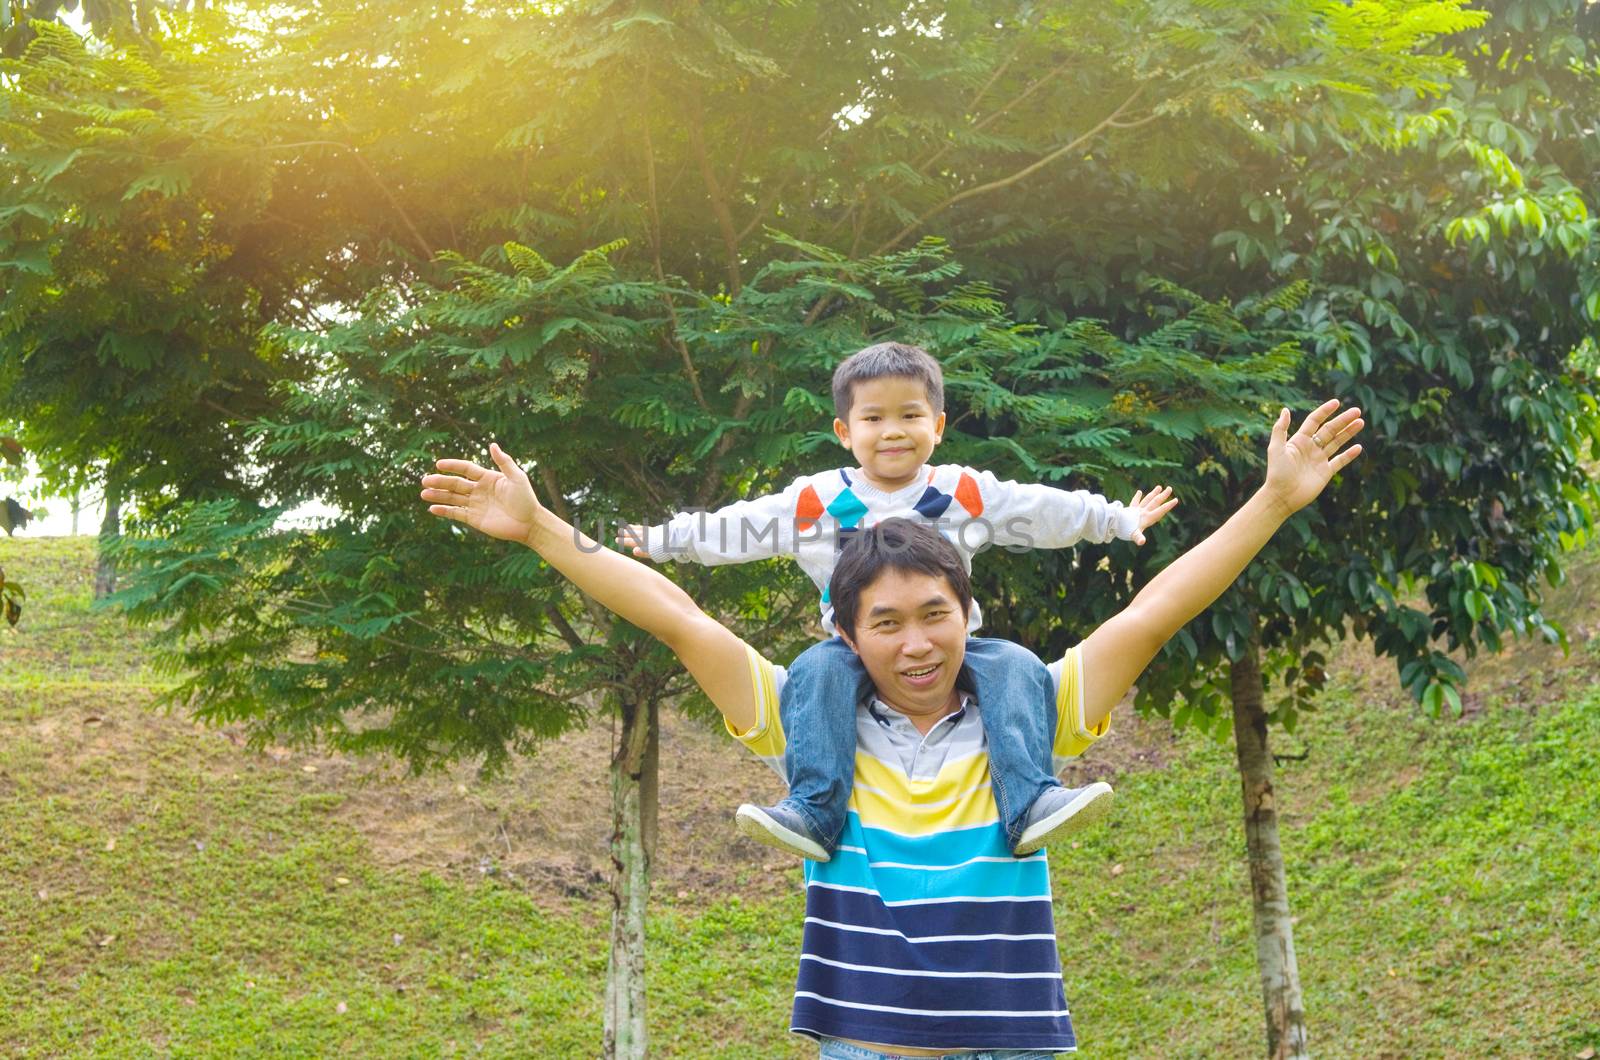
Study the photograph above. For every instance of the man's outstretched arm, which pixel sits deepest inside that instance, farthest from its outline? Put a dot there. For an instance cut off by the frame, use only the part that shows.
(1298, 468)
(500, 502)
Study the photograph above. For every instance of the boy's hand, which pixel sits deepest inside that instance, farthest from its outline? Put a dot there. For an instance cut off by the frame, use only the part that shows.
(498, 503)
(1151, 508)
(632, 537)
(1298, 467)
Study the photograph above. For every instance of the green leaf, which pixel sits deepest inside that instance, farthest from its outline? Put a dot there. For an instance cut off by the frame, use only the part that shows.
(53, 167)
(13, 516)
(34, 258)
(1478, 604)
(167, 181)
(648, 18)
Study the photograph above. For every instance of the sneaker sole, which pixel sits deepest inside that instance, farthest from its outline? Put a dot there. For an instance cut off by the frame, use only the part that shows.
(1085, 810)
(763, 829)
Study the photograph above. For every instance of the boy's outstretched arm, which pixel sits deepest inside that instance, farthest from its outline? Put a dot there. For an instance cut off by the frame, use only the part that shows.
(1025, 515)
(742, 532)
(500, 502)
(1298, 468)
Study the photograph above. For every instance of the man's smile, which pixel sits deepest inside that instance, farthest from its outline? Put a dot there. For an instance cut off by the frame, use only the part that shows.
(922, 676)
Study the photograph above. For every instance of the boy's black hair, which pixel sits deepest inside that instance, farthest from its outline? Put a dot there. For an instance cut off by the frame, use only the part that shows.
(894, 544)
(883, 360)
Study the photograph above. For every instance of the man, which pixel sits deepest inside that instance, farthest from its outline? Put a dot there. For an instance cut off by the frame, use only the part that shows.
(926, 937)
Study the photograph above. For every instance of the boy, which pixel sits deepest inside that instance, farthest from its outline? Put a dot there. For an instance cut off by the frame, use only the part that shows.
(889, 400)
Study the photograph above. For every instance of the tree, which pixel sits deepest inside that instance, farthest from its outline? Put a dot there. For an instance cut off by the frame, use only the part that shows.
(124, 21)
(1449, 314)
(1450, 257)
(125, 339)
(149, 229)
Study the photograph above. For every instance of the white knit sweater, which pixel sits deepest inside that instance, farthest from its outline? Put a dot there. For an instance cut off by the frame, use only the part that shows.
(814, 516)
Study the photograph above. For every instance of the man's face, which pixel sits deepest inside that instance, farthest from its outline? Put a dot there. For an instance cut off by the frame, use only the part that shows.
(912, 637)
(891, 429)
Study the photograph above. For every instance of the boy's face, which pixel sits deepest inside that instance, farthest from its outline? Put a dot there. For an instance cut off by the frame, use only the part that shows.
(912, 638)
(891, 429)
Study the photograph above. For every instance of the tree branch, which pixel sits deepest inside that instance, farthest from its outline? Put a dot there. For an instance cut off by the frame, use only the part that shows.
(310, 608)
(563, 627)
(762, 207)
(229, 413)
(1109, 121)
(1021, 174)
(994, 115)
(635, 473)
(719, 204)
(1146, 120)
(738, 156)
(661, 276)
(709, 485)
(858, 220)
(999, 71)
(366, 167)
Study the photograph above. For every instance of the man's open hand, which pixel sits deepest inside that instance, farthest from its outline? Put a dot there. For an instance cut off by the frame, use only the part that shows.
(1151, 508)
(1299, 466)
(499, 503)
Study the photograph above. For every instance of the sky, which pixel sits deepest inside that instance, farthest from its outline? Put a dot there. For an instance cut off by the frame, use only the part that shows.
(53, 515)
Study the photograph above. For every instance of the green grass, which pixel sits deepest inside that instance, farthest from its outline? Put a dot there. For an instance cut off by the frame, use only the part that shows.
(1444, 877)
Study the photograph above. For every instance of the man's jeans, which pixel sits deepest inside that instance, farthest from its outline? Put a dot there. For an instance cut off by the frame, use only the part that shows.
(838, 1049)
(1016, 701)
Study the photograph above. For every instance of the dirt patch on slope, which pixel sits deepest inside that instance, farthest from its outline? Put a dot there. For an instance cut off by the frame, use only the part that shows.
(545, 823)
(542, 826)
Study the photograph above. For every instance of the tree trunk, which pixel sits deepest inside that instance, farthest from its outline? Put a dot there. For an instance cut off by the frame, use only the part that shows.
(76, 508)
(634, 801)
(1280, 976)
(105, 569)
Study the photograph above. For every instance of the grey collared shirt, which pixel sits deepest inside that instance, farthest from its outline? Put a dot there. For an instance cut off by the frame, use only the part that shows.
(882, 730)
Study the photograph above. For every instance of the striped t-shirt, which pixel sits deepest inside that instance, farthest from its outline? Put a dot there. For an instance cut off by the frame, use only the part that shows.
(924, 930)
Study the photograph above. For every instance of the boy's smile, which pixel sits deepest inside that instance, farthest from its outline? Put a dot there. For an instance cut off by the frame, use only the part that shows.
(891, 430)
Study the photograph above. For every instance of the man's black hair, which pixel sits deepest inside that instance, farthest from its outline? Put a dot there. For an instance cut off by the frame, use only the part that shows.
(894, 544)
(887, 359)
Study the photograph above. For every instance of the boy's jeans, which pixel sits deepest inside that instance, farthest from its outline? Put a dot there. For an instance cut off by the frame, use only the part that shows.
(1016, 700)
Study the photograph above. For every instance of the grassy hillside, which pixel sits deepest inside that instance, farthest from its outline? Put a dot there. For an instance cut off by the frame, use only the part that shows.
(166, 889)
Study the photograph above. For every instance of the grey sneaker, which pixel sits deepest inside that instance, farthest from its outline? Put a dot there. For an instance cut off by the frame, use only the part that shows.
(1061, 811)
(778, 826)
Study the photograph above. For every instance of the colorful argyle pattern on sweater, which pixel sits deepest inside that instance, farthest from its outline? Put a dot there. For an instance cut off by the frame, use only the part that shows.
(848, 509)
